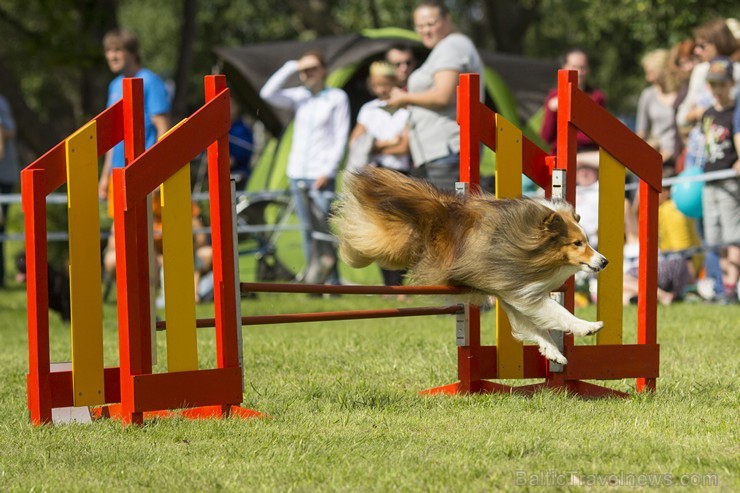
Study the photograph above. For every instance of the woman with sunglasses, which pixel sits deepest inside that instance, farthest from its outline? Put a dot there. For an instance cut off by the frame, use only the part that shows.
(434, 135)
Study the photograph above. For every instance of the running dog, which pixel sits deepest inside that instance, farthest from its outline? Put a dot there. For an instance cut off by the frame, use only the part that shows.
(518, 250)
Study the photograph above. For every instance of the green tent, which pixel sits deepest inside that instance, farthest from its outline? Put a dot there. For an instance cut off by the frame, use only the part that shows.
(516, 86)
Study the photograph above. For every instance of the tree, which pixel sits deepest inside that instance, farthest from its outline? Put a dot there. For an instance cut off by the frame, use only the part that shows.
(53, 71)
(49, 64)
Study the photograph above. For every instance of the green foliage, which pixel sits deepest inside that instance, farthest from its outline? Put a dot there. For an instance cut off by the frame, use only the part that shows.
(157, 25)
(616, 34)
(52, 49)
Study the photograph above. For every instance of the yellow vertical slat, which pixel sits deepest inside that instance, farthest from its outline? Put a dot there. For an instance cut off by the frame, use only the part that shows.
(86, 298)
(611, 242)
(509, 351)
(178, 265)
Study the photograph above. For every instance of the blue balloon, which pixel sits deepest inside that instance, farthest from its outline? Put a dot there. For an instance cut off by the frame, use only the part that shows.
(687, 195)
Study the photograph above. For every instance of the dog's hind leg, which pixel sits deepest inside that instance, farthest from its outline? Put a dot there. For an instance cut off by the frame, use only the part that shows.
(523, 329)
(551, 315)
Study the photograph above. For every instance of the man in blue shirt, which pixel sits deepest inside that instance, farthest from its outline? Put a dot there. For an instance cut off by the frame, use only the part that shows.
(122, 54)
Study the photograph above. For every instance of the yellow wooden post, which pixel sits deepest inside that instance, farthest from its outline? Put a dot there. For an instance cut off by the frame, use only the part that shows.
(611, 241)
(178, 265)
(509, 351)
(86, 299)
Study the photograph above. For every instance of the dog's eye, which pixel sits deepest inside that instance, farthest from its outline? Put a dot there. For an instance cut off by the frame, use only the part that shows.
(578, 243)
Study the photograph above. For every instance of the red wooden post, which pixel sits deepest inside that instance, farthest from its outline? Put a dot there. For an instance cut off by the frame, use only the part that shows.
(224, 277)
(221, 223)
(648, 275)
(567, 146)
(468, 100)
(131, 272)
(566, 159)
(37, 288)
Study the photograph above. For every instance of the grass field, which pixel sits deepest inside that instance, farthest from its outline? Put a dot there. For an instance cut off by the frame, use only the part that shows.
(345, 415)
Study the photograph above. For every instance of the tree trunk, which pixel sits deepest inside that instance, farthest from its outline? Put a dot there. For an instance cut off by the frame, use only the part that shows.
(316, 16)
(39, 136)
(184, 60)
(508, 21)
(97, 18)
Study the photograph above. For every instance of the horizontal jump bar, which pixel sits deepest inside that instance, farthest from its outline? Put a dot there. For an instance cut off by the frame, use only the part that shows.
(267, 287)
(329, 316)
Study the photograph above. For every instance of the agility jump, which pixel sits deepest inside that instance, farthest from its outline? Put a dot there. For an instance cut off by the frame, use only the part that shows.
(133, 391)
(509, 358)
(619, 148)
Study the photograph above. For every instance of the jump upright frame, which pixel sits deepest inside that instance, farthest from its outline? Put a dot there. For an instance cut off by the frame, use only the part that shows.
(620, 149)
(132, 390)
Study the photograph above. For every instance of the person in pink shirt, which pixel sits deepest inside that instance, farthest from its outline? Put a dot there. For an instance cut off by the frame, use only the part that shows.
(575, 59)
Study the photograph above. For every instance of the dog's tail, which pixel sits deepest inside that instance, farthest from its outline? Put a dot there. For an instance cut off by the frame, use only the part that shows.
(384, 216)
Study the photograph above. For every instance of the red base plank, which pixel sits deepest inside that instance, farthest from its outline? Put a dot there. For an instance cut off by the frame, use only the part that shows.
(535, 365)
(113, 411)
(576, 387)
(480, 387)
(220, 386)
(613, 362)
(61, 387)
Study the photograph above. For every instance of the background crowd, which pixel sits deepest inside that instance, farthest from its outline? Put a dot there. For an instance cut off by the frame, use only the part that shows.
(687, 112)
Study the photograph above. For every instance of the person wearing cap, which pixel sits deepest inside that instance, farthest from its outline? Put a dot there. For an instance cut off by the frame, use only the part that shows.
(721, 198)
(713, 38)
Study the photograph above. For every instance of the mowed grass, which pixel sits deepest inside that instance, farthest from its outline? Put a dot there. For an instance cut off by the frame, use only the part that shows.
(345, 414)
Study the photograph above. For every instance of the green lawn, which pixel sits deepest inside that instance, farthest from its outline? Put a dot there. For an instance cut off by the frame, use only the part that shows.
(345, 415)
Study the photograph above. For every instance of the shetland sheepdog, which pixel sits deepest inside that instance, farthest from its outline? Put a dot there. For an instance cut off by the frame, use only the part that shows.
(518, 250)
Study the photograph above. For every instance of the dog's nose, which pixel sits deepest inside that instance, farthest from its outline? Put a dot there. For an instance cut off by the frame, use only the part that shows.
(604, 261)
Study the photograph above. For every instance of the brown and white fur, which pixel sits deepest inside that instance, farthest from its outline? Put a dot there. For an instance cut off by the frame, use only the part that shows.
(518, 250)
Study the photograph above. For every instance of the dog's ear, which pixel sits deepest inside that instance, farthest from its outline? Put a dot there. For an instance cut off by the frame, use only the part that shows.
(554, 224)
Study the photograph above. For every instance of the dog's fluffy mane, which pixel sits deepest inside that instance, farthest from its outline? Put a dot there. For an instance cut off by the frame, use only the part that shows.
(443, 238)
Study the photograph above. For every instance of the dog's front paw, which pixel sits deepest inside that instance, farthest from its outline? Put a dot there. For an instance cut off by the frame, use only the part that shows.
(595, 327)
(587, 328)
(553, 354)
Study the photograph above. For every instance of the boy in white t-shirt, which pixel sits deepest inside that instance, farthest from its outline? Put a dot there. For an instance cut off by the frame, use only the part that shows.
(381, 131)
(380, 137)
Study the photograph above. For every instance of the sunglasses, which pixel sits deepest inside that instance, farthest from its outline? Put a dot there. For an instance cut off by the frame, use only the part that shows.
(309, 70)
(428, 25)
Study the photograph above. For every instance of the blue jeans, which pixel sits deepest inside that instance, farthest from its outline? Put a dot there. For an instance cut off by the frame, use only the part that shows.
(712, 267)
(322, 198)
(444, 172)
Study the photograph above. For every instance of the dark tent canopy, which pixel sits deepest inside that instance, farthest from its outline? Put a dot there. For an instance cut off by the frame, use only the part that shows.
(516, 85)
